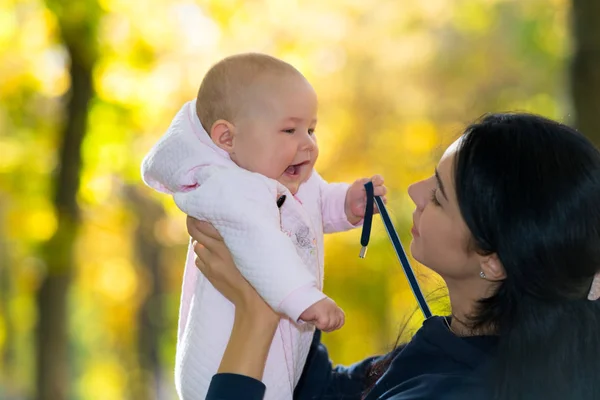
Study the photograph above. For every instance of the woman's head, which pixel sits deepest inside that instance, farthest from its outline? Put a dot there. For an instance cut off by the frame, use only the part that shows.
(516, 197)
(528, 189)
(441, 238)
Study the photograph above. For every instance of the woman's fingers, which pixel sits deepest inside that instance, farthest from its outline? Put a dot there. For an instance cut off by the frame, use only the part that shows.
(203, 232)
(196, 227)
(208, 242)
(201, 251)
(208, 229)
(192, 226)
(201, 265)
(204, 262)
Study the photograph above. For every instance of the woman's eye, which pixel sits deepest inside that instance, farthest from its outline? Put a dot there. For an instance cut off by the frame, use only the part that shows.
(434, 199)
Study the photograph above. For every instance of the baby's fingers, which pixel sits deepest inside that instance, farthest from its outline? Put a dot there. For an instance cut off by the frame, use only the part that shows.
(380, 191)
(322, 324)
(377, 180)
(336, 320)
(341, 320)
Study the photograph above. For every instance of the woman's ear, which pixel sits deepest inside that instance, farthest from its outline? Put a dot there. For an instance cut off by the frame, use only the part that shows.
(594, 293)
(222, 134)
(492, 268)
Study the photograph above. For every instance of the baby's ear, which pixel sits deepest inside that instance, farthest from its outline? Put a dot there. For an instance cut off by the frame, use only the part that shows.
(222, 133)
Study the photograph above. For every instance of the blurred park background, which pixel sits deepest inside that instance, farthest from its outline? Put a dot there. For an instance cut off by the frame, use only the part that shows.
(91, 260)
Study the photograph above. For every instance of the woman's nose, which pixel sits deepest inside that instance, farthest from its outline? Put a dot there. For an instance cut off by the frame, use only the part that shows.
(418, 194)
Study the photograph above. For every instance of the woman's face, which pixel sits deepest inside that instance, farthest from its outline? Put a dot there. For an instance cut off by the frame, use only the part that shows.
(440, 235)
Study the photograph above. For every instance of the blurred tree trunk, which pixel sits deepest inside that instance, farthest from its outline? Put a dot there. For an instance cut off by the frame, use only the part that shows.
(151, 320)
(76, 22)
(8, 371)
(585, 68)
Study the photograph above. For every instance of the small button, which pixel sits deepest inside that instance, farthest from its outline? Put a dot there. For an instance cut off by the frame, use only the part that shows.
(280, 201)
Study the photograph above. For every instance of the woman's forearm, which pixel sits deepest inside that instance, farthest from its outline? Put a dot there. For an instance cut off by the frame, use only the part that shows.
(249, 344)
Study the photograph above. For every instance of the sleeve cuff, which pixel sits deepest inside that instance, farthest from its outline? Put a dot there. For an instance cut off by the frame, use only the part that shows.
(234, 387)
(297, 302)
(336, 220)
(343, 224)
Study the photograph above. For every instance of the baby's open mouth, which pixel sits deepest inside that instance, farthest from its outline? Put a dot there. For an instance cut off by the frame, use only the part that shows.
(294, 170)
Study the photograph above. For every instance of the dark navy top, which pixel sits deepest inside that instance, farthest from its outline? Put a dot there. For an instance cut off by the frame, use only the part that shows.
(435, 364)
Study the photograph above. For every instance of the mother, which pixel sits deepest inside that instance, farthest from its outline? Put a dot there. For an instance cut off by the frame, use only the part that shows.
(511, 221)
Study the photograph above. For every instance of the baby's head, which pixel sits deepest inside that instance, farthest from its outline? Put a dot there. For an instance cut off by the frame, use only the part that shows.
(263, 112)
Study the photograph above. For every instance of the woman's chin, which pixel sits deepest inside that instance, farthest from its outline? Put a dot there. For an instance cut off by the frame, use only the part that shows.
(414, 251)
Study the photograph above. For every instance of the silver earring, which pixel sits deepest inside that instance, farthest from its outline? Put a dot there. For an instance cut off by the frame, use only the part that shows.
(482, 275)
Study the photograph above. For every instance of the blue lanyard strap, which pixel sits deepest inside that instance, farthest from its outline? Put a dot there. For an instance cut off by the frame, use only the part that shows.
(393, 235)
(368, 220)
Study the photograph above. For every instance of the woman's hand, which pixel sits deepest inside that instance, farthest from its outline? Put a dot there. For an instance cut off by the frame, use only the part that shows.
(255, 322)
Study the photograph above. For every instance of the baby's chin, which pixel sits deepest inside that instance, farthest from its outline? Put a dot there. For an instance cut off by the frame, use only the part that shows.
(292, 187)
(293, 182)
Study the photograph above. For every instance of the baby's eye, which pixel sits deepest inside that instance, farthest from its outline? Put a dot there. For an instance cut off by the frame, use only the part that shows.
(311, 132)
(291, 130)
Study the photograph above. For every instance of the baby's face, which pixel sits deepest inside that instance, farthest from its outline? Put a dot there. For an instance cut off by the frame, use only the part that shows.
(277, 138)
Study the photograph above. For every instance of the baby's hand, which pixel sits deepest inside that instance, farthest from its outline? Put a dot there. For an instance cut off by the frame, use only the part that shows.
(324, 315)
(356, 198)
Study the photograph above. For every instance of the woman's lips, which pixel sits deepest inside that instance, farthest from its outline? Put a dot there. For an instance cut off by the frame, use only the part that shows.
(414, 229)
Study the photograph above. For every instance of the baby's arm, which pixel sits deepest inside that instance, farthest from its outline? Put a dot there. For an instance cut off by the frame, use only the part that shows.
(242, 207)
(343, 206)
(333, 199)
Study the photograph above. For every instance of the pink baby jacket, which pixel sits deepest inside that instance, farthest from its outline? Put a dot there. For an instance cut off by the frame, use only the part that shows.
(278, 250)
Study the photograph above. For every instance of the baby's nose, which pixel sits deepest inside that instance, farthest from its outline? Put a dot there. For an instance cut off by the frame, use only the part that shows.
(308, 143)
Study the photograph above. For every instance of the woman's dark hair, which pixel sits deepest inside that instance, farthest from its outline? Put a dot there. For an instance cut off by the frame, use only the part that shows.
(528, 189)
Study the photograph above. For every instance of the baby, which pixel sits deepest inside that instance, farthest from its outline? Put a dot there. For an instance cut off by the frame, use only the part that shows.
(241, 156)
